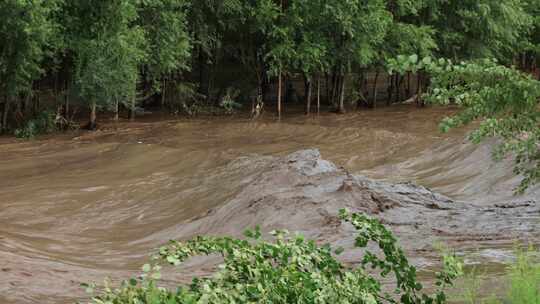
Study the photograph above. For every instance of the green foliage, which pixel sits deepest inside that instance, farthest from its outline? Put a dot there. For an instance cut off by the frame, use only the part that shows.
(116, 43)
(472, 29)
(531, 44)
(406, 35)
(108, 50)
(505, 99)
(188, 100)
(508, 102)
(168, 43)
(28, 33)
(228, 102)
(403, 64)
(288, 270)
(111, 49)
(314, 36)
(44, 123)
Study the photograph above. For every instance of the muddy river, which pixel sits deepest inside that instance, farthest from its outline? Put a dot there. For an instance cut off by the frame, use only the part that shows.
(80, 207)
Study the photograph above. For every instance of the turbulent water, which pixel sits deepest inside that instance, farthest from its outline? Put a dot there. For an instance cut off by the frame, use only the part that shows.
(78, 208)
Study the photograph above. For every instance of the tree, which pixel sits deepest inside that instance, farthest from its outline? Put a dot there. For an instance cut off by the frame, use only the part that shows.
(309, 54)
(355, 30)
(406, 35)
(214, 26)
(472, 29)
(529, 49)
(167, 40)
(108, 48)
(28, 34)
(258, 29)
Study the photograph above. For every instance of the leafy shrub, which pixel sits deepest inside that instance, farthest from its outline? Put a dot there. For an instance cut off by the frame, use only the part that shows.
(43, 123)
(288, 270)
(189, 100)
(228, 102)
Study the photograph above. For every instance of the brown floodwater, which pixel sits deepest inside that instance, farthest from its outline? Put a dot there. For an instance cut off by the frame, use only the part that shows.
(82, 206)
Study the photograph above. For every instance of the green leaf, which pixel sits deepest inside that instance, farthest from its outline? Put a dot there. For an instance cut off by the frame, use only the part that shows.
(146, 268)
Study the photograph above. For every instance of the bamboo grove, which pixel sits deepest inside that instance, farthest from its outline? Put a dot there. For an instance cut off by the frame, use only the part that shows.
(115, 55)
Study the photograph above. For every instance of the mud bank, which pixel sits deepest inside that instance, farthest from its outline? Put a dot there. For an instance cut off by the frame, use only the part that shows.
(302, 192)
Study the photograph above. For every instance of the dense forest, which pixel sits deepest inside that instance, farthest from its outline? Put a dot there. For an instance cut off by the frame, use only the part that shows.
(182, 55)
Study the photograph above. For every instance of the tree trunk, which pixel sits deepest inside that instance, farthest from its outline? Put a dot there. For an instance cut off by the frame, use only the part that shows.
(286, 91)
(38, 98)
(132, 111)
(92, 123)
(342, 95)
(308, 97)
(399, 81)
(260, 87)
(408, 92)
(375, 89)
(279, 96)
(318, 95)
(390, 90)
(419, 84)
(27, 105)
(66, 100)
(360, 89)
(163, 90)
(116, 110)
(3, 122)
(327, 80)
(335, 83)
(201, 70)
(56, 89)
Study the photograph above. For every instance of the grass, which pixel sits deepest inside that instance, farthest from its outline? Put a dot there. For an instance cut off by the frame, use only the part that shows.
(522, 282)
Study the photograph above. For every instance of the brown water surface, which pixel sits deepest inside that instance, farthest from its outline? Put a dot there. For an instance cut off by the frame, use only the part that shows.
(79, 207)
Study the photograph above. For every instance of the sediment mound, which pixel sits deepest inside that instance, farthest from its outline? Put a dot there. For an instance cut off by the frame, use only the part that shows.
(302, 192)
